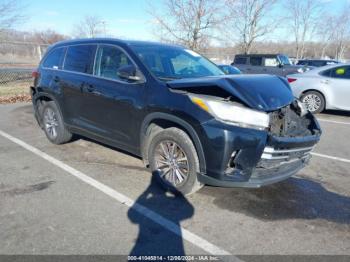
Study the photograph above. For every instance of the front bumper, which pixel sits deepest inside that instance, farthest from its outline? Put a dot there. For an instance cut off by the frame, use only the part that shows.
(242, 157)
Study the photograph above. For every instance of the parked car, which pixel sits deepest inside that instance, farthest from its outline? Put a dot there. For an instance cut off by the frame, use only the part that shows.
(274, 64)
(230, 70)
(316, 62)
(323, 88)
(191, 123)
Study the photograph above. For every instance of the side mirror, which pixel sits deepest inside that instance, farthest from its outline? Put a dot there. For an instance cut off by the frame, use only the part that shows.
(280, 65)
(130, 72)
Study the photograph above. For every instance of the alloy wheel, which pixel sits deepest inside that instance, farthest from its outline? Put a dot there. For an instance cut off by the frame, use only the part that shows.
(51, 123)
(172, 163)
(313, 102)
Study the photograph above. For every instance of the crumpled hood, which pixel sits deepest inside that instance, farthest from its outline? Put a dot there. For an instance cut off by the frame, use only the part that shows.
(260, 92)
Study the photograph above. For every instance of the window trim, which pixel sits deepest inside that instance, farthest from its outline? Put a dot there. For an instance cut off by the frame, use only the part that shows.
(49, 53)
(93, 75)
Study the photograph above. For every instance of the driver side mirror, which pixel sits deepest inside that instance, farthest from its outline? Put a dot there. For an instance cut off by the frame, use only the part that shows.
(130, 73)
(280, 65)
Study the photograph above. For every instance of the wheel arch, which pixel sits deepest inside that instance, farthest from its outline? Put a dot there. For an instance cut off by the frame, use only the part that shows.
(158, 121)
(41, 96)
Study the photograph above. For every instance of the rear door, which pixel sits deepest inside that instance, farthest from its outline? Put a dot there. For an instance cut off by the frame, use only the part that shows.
(339, 83)
(256, 65)
(77, 69)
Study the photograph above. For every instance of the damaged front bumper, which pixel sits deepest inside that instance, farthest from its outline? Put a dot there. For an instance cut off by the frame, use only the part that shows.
(242, 157)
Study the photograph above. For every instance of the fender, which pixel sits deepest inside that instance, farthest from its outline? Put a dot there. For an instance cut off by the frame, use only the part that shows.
(185, 125)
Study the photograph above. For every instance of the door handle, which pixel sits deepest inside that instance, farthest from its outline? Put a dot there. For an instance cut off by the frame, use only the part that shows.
(325, 82)
(90, 89)
(56, 79)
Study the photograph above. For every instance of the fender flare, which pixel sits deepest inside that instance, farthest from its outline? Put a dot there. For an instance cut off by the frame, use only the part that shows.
(182, 123)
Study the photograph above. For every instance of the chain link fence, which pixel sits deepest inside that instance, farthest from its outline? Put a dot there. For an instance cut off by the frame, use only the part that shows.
(17, 61)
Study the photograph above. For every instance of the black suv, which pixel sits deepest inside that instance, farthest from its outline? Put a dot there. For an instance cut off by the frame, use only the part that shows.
(191, 123)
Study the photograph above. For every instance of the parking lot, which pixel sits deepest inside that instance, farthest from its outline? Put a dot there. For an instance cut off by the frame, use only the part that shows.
(86, 198)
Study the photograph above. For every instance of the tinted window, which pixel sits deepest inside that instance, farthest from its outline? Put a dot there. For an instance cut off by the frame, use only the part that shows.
(80, 58)
(240, 60)
(302, 62)
(108, 60)
(256, 60)
(341, 72)
(54, 58)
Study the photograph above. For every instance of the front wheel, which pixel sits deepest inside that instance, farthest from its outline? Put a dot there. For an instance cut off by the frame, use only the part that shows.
(314, 101)
(173, 159)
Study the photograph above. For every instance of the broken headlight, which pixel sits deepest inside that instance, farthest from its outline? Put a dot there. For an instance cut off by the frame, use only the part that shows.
(232, 113)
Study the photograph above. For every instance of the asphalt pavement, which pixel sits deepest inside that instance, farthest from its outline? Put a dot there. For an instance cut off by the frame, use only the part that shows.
(87, 198)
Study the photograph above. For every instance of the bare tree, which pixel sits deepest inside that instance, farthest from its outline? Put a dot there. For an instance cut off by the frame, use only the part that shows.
(10, 14)
(342, 33)
(48, 37)
(90, 26)
(250, 20)
(188, 22)
(303, 18)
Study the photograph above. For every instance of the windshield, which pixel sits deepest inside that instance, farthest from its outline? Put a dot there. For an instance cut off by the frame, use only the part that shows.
(167, 62)
(284, 59)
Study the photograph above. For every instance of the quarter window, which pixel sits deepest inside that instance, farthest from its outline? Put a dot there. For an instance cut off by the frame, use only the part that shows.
(271, 61)
(80, 58)
(109, 60)
(54, 58)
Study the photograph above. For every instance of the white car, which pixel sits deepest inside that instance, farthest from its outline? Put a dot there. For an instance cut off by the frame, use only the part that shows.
(322, 88)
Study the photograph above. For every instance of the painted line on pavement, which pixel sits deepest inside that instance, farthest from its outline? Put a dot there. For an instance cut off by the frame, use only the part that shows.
(331, 157)
(144, 211)
(333, 121)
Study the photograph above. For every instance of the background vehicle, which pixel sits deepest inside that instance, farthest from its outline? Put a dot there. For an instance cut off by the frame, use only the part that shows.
(191, 123)
(230, 70)
(323, 88)
(274, 64)
(316, 62)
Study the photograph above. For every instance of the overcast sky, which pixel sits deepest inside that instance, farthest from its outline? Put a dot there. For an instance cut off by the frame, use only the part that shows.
(123, 18)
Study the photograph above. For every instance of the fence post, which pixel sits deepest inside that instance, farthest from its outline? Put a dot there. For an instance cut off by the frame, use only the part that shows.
(38, 48)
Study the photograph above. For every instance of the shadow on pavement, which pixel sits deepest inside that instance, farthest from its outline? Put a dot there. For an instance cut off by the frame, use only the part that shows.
(336, 113)
(295, 198)
(152, 238)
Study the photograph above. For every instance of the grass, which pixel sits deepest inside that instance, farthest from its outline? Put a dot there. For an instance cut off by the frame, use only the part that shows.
(14, 92)
(21, 88)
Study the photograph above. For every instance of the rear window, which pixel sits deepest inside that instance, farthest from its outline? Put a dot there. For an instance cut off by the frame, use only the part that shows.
(54, 58)
(256, 60)
(80, 58)
(240, 60)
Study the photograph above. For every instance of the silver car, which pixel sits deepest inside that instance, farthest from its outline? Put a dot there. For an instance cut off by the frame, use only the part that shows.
(322, 88)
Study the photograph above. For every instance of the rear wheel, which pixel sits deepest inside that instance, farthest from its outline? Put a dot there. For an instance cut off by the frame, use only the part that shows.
(53, 124)
(173, 159)
(314, 101)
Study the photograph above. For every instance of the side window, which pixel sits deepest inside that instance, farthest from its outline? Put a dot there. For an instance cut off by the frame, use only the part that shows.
(341, 72)
(326, 73)
(271, 61)
(256, 60)
(54, 58)
(108, 60)
(80, 58)
(240, 60)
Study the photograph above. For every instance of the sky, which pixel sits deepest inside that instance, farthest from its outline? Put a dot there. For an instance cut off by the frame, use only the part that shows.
(123, 18)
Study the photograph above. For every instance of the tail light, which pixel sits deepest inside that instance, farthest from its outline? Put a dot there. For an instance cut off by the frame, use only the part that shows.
(291, 80)
(35, 74)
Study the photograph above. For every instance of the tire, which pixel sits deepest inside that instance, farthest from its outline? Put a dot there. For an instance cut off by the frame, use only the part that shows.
(179, 146)
(314, 101)
(53, 124)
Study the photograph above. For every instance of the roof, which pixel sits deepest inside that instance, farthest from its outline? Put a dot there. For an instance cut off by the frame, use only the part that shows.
(112, 41)
(260, 54)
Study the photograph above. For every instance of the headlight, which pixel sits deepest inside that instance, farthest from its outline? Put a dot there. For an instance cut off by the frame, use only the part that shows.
(233, 114)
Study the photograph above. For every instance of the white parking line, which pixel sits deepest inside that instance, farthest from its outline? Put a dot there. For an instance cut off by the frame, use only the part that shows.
(331, 157)
(334, 122)
(144, 211)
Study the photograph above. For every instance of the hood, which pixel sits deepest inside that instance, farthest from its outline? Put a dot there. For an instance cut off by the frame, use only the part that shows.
(260, 92)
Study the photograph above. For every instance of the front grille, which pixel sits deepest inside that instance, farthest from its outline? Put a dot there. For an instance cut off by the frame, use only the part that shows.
(273, 157)
(285, 154)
